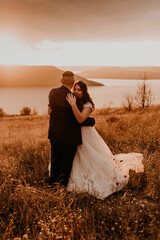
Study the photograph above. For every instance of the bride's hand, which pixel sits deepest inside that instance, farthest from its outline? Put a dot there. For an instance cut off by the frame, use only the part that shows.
(71, 99)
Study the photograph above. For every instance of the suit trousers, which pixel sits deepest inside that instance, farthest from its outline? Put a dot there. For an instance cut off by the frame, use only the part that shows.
(61, 162)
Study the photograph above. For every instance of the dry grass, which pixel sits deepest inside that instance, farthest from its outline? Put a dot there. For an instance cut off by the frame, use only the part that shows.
(30, 209)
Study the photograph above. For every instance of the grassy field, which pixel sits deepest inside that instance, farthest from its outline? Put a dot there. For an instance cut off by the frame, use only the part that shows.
(31, 209)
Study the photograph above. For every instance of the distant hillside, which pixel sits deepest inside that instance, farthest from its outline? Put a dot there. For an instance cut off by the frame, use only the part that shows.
(80, 68)
(123, 73)
(34, 76)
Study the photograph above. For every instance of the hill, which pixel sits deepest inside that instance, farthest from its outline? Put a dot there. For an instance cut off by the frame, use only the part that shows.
(34, 76)
(123, 73)
(31, 209)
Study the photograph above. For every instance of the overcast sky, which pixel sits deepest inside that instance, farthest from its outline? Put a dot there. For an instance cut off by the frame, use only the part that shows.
(81, 20)
(80, 32)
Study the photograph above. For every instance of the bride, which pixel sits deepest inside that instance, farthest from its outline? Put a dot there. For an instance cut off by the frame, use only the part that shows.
(95, 169)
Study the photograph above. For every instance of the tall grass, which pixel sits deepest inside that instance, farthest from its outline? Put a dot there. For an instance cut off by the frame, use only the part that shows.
(31, 209)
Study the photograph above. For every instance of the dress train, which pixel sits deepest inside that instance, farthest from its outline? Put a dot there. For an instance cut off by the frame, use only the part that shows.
(96, 170)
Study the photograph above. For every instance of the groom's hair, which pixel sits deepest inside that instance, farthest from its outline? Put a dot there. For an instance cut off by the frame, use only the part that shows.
(68, 78)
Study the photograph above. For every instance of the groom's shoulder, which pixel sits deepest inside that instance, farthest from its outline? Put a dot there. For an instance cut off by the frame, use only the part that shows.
(53, 90)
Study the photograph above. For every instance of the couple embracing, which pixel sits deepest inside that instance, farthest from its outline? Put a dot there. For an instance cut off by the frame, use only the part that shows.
(80, 159)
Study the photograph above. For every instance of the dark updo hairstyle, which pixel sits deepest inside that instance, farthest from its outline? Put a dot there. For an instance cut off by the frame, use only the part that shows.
(86, 97)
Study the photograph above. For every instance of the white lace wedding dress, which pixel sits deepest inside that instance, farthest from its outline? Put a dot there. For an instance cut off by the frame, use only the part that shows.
(96, 170)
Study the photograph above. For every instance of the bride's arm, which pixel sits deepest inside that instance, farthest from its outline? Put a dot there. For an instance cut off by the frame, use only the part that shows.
(80, 116)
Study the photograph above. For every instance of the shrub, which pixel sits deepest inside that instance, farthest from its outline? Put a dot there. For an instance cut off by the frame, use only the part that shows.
(2, 113)
(35, 111)
(25, 111)
(128, 102)
(144, 96)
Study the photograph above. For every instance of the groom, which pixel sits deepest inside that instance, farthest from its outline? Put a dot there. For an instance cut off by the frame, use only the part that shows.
(64, 131)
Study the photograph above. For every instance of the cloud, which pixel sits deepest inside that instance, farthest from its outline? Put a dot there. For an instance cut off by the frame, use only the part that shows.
(81, 20)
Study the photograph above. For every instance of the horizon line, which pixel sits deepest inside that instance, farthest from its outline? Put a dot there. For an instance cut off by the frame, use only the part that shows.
(49, 65)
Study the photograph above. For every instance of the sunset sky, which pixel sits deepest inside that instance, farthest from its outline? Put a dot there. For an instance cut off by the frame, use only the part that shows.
(80, 32)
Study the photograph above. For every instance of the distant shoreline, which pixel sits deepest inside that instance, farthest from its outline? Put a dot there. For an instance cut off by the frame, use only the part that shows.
(97, 84)
(104, 110)
(35, 76)
(49, 76)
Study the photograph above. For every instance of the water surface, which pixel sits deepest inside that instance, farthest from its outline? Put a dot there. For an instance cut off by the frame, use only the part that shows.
(112, 94)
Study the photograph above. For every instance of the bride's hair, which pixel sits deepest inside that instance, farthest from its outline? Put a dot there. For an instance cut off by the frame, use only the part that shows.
(86, 97)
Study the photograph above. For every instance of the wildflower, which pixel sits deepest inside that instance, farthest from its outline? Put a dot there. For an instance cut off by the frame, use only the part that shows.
(54, 220)
(25, 236)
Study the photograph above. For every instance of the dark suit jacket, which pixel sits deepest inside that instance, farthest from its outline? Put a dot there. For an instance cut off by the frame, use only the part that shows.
(63, 126)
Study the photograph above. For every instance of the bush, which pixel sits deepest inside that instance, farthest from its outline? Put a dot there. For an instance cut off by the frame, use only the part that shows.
(25, 111)
(2, 113)
(144, 96)
(128, 102)
(35, 111)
